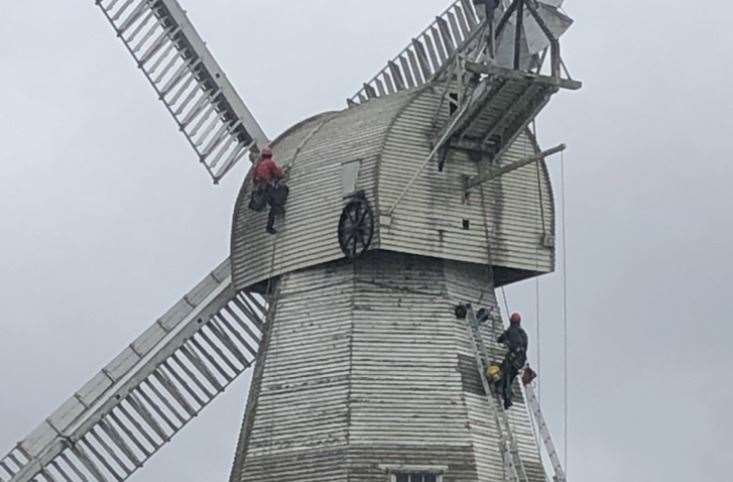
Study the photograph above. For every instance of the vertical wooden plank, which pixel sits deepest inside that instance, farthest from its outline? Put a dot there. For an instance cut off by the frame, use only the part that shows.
(432, 51)
(388, 82)
(470, 14)
(519, 35)
(369, 90)
(445, 35)
(407, 72)
(415, 68)
(380, 87)
(439, 45)
(422, 59)
(455, 29)
(396, 76)
(462, 22)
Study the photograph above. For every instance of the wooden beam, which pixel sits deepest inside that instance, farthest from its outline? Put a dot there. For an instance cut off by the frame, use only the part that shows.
(494, 173)
(506, 73)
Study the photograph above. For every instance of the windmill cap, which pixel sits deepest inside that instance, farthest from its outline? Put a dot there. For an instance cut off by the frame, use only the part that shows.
(515, 319)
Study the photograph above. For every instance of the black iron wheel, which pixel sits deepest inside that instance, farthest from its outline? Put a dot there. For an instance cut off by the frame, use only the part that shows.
(356, 227)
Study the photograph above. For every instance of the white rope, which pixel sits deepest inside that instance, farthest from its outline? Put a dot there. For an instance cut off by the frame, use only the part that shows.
(506, 304)
(537, 342)
(564, 308)
(438, 145)
(537, 267)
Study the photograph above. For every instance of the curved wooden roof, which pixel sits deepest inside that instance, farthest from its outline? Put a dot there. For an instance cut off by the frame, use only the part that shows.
(391, 138)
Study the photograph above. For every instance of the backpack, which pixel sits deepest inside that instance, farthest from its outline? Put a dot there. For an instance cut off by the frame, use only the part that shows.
(279, 195)
(258, 200)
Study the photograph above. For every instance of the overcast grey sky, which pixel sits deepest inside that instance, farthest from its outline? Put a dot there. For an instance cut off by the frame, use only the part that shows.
(106, 219)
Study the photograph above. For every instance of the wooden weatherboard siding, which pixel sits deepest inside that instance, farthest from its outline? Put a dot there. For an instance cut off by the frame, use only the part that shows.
(367, 366)
(392, 137)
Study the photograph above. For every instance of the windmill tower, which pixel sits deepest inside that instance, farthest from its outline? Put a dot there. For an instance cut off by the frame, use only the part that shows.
(428, 191)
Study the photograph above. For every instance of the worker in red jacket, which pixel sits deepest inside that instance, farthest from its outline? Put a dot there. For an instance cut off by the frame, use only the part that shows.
(267, 178)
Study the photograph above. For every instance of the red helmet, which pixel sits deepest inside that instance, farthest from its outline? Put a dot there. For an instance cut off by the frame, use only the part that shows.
(266, 151)
(515, 319)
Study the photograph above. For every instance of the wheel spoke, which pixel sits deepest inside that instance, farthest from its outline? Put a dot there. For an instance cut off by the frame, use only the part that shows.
(353, 214)
(355, 228)
(363, 216)
(353, 249)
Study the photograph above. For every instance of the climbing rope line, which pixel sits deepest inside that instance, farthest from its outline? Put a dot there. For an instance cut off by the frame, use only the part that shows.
(537, 266)
(564, 308)
(506, 304)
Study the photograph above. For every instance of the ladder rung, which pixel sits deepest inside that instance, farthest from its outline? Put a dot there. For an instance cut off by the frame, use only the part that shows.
(139, 427)
(121, 10)
(168, 384)
(196, 379)
(146, 398)
(168, 66)
(236, 333)
(164, 399)
(117, 439)
(134, 15)
(98, 458)
(191, 354)
(81, 454)
(219, 332)
(65, 458)
(112, 453)
(145, 414)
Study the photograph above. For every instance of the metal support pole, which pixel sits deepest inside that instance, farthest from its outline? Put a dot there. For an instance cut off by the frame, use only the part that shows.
(494, 173)
(518, 35)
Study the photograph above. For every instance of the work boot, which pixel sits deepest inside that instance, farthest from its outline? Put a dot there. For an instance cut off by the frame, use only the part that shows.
(271, 230)
(507, 404)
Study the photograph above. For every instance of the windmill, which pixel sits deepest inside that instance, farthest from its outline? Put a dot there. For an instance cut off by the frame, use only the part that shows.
(426, 193)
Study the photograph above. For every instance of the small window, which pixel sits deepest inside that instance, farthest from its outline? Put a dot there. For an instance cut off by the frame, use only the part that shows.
(414, 473)
(416, 477)
(453, 104)
(349, 176)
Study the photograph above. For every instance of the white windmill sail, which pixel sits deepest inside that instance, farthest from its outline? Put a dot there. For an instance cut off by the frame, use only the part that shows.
(451, 33)
(120, 418)
(187, 78)
(426, 55)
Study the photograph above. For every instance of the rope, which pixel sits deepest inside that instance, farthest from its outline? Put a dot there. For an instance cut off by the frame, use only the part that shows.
(438, 146)
(564, 309)
(506, 304)
(537, 266)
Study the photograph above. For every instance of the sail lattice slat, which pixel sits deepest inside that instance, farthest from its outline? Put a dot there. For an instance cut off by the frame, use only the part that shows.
(146, 395)
(425, 55)
(187, 78)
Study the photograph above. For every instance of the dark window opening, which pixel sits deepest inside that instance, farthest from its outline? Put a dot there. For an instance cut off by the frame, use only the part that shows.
(416, 477)
(453, 104)
(466, 224)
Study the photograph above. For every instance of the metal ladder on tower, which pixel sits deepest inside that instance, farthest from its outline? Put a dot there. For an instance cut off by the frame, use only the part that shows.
(137, 403)
(513, 466)
(528, 378)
